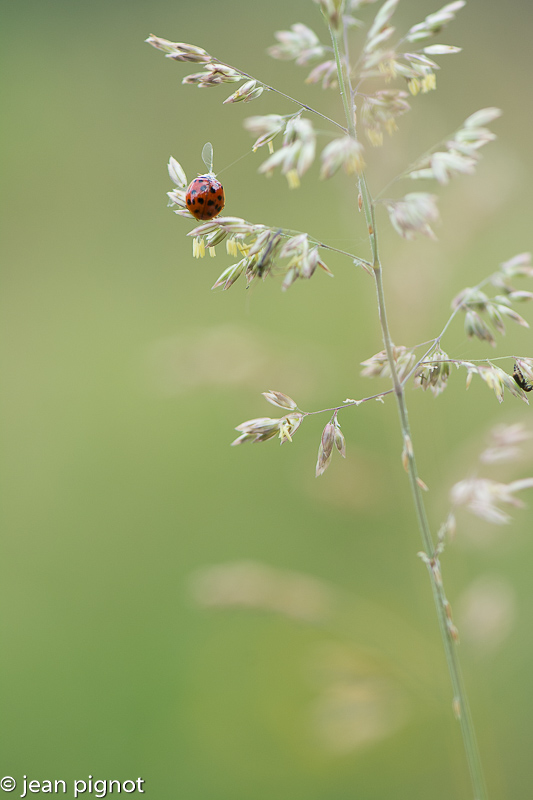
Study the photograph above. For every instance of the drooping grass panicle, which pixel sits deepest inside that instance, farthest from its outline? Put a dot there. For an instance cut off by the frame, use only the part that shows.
(332, 438)
(264, 428)
(413, 214)
(300, 44)
(485, 315)
(484, 497)
(505, 443)
(459, 154)
(433, 370)
(434, 374)
(250, 584)
(264, 250)
(378, 365)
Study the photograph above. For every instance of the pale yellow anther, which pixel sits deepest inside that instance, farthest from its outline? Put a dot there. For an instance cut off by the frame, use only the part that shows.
(293, 179)
(285, 431)
(231, 247)
(198, 247)
(429, 82)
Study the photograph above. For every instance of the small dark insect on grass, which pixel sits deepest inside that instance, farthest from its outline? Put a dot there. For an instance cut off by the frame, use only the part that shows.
(520, 380)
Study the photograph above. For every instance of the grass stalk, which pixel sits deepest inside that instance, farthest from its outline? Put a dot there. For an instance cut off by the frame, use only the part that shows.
(430, 556)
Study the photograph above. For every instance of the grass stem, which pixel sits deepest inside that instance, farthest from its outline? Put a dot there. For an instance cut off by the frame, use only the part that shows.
(447, 629)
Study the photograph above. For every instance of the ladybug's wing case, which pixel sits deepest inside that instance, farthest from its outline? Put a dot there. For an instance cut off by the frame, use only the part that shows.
(205, 197)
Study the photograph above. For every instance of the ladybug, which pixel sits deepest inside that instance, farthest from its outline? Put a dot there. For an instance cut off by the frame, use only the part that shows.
(205, 197)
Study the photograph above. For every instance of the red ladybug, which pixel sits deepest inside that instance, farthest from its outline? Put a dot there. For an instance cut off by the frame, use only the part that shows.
(205, 197)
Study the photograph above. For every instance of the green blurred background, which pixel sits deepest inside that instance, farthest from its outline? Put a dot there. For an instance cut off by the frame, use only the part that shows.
(131, 529)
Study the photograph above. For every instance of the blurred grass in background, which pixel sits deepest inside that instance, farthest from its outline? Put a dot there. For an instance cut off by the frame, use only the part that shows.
(124, 378)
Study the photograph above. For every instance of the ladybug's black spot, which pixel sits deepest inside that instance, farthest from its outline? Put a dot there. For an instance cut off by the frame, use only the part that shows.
(219, 197)
(218, 208)
(210, 202)
(201, 200)
(189, 201)
(213, 189)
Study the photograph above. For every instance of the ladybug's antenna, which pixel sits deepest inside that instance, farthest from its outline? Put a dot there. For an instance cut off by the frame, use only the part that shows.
(207, 156)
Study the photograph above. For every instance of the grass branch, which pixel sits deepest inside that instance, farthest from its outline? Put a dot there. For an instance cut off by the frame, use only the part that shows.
(283, 94)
